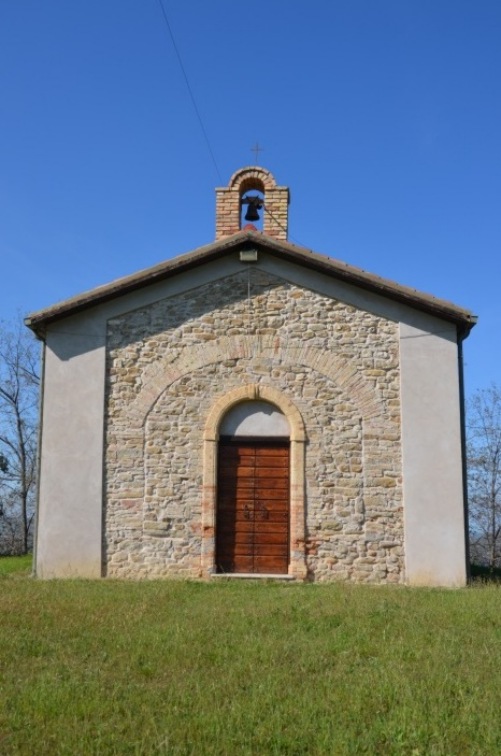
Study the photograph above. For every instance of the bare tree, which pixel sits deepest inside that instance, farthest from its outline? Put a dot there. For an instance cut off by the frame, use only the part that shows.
(19, 383)
(484, 476)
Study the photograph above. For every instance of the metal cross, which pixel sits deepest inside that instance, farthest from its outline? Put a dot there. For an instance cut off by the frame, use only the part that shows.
(257, 149)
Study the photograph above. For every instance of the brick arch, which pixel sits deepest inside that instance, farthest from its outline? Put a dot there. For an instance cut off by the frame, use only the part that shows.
(297, 563)
(254, 391)
(252, 177)
(159, 376)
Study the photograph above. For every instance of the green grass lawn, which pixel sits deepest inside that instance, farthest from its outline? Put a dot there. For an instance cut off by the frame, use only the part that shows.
(167, 667)
(18, 566)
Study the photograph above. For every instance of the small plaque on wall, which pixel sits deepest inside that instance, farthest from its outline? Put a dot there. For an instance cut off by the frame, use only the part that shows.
(248, 255)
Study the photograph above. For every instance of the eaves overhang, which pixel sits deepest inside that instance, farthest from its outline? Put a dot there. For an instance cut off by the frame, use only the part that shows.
(462, 318)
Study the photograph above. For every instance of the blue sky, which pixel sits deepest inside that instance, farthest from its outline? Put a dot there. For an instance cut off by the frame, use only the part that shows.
(383, 117)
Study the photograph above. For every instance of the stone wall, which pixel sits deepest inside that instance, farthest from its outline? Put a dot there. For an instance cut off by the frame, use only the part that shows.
(175, 358)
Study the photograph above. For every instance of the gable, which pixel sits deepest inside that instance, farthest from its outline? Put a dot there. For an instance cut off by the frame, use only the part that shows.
(282, 253)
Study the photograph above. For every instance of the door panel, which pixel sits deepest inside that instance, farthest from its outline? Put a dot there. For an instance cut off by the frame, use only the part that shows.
(252, 531)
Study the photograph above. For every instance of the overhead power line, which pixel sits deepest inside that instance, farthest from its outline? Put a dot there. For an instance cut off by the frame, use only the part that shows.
(192, 96)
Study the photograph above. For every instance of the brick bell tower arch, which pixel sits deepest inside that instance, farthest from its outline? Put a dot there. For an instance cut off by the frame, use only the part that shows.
(275, 203)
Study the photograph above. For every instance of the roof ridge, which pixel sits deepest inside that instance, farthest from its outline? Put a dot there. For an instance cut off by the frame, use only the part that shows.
(354, 275)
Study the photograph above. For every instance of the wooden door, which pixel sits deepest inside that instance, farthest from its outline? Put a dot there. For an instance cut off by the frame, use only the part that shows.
(252, 528)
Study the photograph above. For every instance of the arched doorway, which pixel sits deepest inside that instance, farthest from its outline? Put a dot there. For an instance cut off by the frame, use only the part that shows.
(253, 491)
(212, 433)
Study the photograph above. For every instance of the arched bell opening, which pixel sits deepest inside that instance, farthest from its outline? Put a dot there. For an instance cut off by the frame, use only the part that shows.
(252, 209)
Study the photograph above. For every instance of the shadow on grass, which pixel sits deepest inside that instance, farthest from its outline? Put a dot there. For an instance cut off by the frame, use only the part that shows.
(481, 574)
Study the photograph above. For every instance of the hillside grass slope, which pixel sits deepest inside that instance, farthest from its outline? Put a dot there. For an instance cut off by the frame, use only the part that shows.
(171, 667)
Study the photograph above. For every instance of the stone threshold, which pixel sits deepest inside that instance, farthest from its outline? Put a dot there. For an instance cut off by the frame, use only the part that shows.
(250, 576)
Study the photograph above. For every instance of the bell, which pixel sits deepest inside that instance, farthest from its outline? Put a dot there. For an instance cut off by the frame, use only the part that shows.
(252, 213)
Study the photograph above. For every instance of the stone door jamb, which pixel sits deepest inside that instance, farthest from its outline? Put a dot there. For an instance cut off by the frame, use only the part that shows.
(253, 391)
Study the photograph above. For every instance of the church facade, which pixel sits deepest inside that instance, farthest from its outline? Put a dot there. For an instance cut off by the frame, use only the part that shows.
(253, 409)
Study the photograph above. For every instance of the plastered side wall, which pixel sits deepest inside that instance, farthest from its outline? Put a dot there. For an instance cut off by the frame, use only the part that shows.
(70, 493)
(431, 445)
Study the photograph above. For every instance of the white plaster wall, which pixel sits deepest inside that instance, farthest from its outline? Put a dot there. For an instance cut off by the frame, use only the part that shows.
(69, 529)
(69, 513)
(255, 419)
(435, 546)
